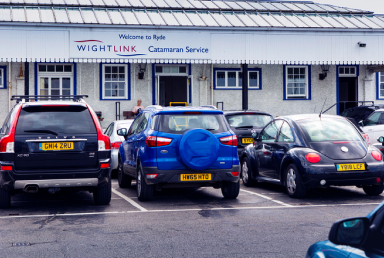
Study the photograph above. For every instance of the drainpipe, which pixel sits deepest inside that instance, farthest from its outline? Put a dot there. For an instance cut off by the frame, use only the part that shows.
(212, 84)
(9, 87)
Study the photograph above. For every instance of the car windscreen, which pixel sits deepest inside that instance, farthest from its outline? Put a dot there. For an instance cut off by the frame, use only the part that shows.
(179, 123)
(55, 120)
(248, 120)
(325, 129)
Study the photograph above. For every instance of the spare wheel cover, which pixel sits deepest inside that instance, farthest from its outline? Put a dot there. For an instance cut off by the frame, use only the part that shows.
(199, 149)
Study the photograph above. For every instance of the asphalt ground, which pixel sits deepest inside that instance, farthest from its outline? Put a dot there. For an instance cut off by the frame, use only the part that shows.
(262, 222)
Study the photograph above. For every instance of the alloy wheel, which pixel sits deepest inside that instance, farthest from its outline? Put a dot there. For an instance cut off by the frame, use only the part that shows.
(244, 172)
(291, 181)
(138, 183)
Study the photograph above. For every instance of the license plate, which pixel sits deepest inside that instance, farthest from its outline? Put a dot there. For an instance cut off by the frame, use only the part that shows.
(56, 146)
(247, 140)
(350, 167)
(195, 177)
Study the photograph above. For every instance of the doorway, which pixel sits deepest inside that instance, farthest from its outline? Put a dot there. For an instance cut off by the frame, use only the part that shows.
(347, 88)
(173, 89)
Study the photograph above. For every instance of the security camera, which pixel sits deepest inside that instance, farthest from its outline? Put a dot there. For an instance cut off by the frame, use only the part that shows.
(361, 44)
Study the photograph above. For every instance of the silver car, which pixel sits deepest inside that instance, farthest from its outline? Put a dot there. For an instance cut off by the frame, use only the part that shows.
(116, 139)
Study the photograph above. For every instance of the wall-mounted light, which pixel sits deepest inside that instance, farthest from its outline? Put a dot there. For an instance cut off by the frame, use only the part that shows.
(361, 44)
(325, 70)
(141, 72)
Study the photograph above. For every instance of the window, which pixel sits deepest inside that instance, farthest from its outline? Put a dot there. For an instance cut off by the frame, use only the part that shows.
(297, 82)
(171, 69)
(269, 134)
(285, 133)
(233, 78)
(115, 82)
(3, 79)
(380, 85)
(55, 79)
(347, 71)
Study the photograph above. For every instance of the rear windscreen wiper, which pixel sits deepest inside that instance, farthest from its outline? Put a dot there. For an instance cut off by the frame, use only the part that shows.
(245, 126)
(41, 131)
(209, 129)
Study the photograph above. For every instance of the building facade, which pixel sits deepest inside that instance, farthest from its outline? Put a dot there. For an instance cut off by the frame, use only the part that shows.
(301, 56)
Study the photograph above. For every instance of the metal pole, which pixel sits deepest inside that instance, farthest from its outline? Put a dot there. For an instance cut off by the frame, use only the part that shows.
(26, 79)
(245, 86)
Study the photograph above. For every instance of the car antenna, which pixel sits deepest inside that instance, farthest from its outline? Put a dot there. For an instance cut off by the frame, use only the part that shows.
(322, 107)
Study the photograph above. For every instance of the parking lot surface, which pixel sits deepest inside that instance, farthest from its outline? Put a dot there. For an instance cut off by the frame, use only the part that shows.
(262, 222)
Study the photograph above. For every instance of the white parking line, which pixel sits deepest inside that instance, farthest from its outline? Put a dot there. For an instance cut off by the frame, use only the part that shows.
(129, 200)
(186, 210)
(268, 198)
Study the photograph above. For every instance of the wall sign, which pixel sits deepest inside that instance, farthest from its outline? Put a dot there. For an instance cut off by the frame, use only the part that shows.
(146, 44)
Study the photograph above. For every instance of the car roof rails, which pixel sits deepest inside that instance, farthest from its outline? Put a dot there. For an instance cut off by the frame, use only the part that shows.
(24, 98)
(158, 107)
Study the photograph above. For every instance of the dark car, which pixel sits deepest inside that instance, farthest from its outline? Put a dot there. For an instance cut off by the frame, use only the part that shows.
(179, 147)
(54, 145)
(359, 237)
(360, 113)
(245, 123)
(307, 151)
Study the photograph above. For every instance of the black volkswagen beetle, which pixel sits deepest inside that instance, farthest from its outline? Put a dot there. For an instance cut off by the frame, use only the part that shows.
(306, 151)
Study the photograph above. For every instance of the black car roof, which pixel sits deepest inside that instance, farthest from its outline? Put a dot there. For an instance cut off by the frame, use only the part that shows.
(229, 113)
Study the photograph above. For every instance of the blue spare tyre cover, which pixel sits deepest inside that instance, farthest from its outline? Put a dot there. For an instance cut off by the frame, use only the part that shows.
(198, 149)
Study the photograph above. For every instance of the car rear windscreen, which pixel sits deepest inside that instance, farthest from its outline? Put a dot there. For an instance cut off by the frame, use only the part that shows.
(179, 123)
(55, 119)
(248, 120)
(317, 130)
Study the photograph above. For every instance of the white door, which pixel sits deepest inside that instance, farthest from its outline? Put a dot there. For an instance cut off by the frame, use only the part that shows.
(374, 126)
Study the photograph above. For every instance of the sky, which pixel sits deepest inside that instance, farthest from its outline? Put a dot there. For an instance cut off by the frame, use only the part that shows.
(376, 6)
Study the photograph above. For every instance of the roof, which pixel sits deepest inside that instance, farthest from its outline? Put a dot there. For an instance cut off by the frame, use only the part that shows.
(309, 116)
(180, 109)
(186, 13)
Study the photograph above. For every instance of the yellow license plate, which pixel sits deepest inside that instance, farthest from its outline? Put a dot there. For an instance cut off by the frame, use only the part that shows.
(195, 177)
(56, 146)
(247, 140)
(350, 167)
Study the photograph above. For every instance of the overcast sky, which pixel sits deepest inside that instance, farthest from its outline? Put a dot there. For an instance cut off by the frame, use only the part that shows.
(376, 6)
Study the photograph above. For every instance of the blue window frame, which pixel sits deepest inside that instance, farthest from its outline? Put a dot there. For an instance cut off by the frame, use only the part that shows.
(3, 77)
(231, 79)
(380, 85)
(297, 82)
(115, 81)
(55, 79)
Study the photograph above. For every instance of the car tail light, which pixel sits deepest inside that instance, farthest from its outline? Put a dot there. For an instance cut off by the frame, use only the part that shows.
(152, 176)
(104, 165)
(366, 137)
(313, 157)
(229, 140)
(6, 168)
(235, 173)
(377, 155)
(115, 145)
(7, 143)
(153, 141)
(103, 140)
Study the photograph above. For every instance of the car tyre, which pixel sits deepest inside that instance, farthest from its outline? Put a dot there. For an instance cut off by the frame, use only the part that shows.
(5, 199)
(373, 190)
(123, 179)
(230, 190)
(246, 173)
(102, 194)
(293, 183)
(144, 191)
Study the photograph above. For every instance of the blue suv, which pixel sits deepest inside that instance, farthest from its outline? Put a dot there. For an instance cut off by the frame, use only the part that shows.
(179, 147)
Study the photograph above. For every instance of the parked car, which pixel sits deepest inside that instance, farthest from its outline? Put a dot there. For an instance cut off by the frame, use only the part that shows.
(307, 151)
(116, 140)
(179, 147)
(245, 123)
(360, 113)
(354, 238)
(373, 125)
(52, 145)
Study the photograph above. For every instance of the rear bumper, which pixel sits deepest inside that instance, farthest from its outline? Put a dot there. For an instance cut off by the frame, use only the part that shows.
(174, 176)
(114, 158)
(10, 180)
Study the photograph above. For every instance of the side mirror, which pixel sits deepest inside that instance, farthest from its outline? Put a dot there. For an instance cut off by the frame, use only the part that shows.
(350, 232)
(255, 136)
(381, 139)
(122, 132)
(361, 123)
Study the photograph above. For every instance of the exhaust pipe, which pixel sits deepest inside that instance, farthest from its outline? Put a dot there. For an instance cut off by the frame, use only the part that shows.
(31, 189)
